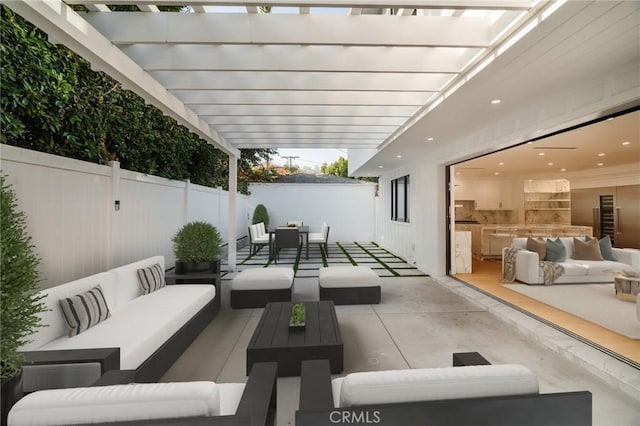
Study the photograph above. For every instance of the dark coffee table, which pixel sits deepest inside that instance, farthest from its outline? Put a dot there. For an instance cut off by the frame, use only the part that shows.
(273, 341)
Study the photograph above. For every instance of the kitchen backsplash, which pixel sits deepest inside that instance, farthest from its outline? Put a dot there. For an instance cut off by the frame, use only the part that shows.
(495, 216)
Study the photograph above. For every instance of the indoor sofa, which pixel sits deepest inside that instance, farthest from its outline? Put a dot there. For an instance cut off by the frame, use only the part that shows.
(143, 332)
(115, 400)
(529, 270)
(497, 395)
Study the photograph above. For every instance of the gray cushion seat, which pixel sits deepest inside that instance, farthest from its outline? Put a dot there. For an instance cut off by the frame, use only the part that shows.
(255, 287)
(349, 285)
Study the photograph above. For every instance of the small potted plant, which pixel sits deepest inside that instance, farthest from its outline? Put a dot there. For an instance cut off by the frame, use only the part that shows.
(18, 295)
(298, 317)
(197, 248)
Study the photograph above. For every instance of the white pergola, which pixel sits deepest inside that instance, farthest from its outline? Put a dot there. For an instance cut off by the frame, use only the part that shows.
(308, 74)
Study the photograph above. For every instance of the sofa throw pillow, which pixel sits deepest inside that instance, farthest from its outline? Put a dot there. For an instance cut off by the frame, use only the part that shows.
(151, 278)
(606, 248)
(83, 311)
(586, 250)
(538, 245)
(555, 250)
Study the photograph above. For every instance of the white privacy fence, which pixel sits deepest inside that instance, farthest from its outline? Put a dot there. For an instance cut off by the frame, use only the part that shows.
(349, 209)
(86, 218)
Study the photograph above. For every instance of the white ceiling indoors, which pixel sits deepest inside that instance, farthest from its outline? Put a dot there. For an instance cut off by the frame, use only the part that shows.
(375, 74)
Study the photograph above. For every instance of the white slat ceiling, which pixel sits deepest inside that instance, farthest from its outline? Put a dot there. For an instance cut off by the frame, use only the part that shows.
(318, 73)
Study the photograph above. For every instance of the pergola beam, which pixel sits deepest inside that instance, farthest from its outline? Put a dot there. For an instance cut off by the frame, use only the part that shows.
(65, 26)
(198, 57)
(288, 29)
(407, 4)
(312, 81)
(271, 120)
(306, 110)
(281, 97)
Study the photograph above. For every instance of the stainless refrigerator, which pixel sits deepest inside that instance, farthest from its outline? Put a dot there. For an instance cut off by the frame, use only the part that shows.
(613, 211)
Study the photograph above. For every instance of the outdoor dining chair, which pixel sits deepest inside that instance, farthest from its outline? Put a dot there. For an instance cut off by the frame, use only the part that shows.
(321, 238)
(256, 240)
(286, 238)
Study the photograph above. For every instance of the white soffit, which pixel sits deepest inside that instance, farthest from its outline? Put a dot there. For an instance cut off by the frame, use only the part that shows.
(317, 74)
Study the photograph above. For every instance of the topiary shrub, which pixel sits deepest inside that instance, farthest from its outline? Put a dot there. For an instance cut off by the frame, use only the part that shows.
(260, 214)
(197, 242)
(18, 284)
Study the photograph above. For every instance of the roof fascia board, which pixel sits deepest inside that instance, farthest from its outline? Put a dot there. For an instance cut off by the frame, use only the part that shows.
(407, 4)
(66, 27)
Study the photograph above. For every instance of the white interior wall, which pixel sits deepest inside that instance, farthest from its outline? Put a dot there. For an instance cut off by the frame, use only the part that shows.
(71, 217)
(347, 208)
(549, 112)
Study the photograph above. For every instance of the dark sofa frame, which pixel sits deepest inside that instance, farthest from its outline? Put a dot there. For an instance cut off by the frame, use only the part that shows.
(241, 299)
(316, 406)
(351, 295)
(153, 367)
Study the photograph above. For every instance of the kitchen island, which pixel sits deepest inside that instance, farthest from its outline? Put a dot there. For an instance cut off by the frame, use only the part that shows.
(488, 240)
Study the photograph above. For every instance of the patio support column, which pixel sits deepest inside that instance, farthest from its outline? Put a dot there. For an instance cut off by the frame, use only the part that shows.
(233, 190)
(114, 207)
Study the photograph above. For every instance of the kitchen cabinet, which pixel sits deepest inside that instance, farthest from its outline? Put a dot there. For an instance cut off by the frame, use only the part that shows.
(489, 194)
(547, 201)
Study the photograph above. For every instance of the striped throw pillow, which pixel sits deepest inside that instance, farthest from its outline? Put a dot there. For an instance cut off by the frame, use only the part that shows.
(83, 311)
(151, 278)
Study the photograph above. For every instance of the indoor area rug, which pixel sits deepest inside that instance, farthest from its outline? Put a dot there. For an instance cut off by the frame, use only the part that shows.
(593, 302)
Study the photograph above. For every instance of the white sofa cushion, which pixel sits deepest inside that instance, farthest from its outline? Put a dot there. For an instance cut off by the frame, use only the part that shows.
(53, 318)
(127, 284)
(597, 267)
(263, 279)
(348, 276)
(84, 310)
(426, 384)
(143, 325)
(121, 402)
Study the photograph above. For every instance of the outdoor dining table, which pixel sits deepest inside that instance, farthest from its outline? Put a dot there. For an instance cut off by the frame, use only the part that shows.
(302, 230)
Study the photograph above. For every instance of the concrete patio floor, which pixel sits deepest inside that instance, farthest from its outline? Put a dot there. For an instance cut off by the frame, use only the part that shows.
(420, 322)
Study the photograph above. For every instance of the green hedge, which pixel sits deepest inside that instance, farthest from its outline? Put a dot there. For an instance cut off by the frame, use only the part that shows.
(53, 102)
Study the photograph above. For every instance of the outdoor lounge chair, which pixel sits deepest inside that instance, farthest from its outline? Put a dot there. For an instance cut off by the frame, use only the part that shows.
(497, 395)
(113, 400)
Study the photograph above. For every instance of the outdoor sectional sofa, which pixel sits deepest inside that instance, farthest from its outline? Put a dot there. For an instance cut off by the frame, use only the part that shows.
(497, 395)
(145, 333)
(529, 270)
(114, 400)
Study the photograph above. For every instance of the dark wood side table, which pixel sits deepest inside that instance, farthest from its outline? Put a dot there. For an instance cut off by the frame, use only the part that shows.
(273, 341)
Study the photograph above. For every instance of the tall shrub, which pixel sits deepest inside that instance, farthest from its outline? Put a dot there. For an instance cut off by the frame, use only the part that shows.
(260, 215)
(19, 303)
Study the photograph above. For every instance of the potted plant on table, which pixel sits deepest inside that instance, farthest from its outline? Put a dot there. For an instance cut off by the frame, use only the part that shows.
(19, 302)
(298, 317)
(197, 248)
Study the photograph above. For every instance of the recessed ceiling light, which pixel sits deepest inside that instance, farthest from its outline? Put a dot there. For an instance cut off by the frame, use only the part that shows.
(563, 170)
(379, 167)
(495, 101)
(600, 164)
(429, 139)
(549, 164)
(541, 154)
(610, 118)
(496, 173)
(457, 173)
(602, 154)
(398, 156)
(626, 143)
(501, 164)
